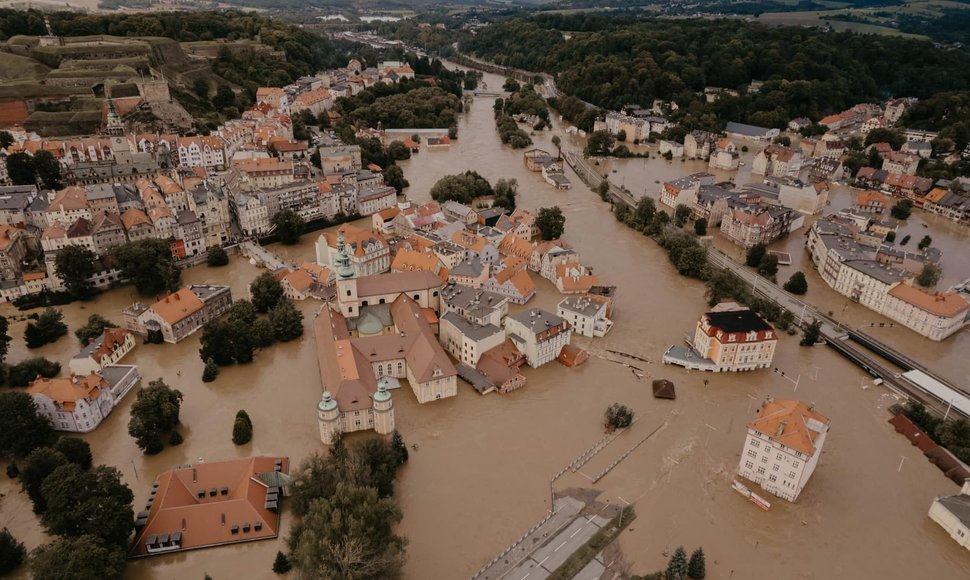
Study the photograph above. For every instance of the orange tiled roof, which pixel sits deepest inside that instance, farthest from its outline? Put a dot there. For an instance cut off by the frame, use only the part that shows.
(68, 390)
(943, 304)
(786, 422)
(177, 306)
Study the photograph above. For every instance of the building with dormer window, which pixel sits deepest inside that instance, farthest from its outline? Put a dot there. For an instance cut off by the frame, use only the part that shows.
(735, 338)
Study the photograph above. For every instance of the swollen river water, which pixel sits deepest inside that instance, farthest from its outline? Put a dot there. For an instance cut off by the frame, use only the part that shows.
(479, 476)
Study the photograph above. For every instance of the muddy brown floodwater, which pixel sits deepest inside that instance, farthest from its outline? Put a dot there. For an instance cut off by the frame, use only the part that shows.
(480, 475)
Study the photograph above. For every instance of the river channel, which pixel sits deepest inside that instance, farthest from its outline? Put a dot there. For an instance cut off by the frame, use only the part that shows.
(479, 476)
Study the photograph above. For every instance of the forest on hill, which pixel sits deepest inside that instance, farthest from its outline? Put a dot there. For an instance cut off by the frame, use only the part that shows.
(610, 61)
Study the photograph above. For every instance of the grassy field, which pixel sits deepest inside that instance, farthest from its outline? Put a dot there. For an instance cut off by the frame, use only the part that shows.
(20, 68)
(875, 24)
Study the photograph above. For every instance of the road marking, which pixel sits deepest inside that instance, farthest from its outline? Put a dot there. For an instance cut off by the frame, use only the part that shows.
(560, 546)
(543, 560)
(576, 532)
(526, 576)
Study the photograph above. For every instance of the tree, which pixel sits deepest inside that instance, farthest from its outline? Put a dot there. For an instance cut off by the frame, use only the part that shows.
(557, 143)
(681, 215)
(210, 371)
(12, 552)
(812, 333)
(216, 256)
(511, 85)
(242, 429)
(154, 413)
(644, 211)
(148, 264)
(48, 327)
(926, 242)
(92, 502)
(93, 328)
(902, 209)
(768, 266)
(200, 87)
(349, 535)
(462, 187)
(287, 321)
(696, 568)
(75, 265)
(398, 151)
(677, 566)
(48, 169)
(905, 240)
(242, 341)
(36, 468)
(4, 338)
(551, 222)
(26, 371)
(6, 139)
(929, 276)
(281, 565)
(289, 226)
(755, 253)
(265, 292)
(618, 416)
(621, 135)
(263, 333)
(797, 284)
(890, 237)
(400, 448)
(599, 143)
(83, 558)
(20, 169)
(394, 177)
(224, 98)
(505, 192)
(24, 429)
(243, 311)
(216, 343)
(603, 189)
(700, 227)
(782, 140)
(76, 450)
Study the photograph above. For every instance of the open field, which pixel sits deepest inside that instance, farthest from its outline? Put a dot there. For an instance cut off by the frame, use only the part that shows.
(21, 68)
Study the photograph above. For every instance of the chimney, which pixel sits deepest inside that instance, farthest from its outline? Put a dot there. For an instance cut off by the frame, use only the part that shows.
(781, 428)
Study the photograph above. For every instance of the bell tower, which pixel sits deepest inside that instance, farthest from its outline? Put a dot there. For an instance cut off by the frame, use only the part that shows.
(383, 409)
(328, 418)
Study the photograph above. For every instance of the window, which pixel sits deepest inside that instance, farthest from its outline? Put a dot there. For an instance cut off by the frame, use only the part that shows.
(794, 464)
(749, 465)
(774, 467)
(752, 453)
(791, 475)
(772, 478)
(761, 471)
(764, 459)
(755, 444)
(778, 457)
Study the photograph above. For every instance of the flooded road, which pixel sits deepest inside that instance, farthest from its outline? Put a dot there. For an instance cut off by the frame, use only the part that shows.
(480, 475)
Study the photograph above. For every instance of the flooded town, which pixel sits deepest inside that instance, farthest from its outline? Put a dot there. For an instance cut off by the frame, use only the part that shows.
(490, 477)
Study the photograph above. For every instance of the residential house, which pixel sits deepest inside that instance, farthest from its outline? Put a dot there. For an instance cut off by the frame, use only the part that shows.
(724, 156)
(539, 335)
(69, 205)
(137, 225)
(699, 144)
(935, 315)
(683, 191)
(742, 131)
(107, 349)
(108, 231)
(515, 285)
(467, 341)
(586, 314)
(266, 173)
(476, 247)
(735, 338)
(339, 159)
(14, 201)
(13, 248)
(900, 162)
(521, 223)
(459, 212)
(749, 225)
(79, 403)
(952, 513)
(783, 446)
(472, 273)
(871, 202)
(179, 314)
(777, 161)
(202, 151)
(474, 305)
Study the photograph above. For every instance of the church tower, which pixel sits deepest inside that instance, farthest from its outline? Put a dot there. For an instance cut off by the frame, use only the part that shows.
(113, 125)
(328, 418)
(346, 281)
(383, 409)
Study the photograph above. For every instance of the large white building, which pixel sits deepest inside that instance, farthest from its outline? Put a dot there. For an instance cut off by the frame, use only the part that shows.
(539, 335)
(953, 515)
(368, 251)
(783, 445)
(78, 403)
(467, 341)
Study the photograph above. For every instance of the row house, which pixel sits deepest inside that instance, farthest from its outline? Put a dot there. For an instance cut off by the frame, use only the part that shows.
(137, 225)
(340, 159)
(374, 198)
(252, 212)
(472, 273)
(67, 206)
(57, 237)
(406, 260)
(288, 149)
(265, 173)
(14, 201)
(587, 314)
(13, 248)
(209, 202)
(699, 145)
(275, 97)
(899, 162)
(478, 306)
(412, 218)
(189, 237)
(202, 151)
(748, 225)
(315, 101)
(107, 349)
(476, 247)
(108, 231)
(539, 335)
(683, 191)
(777, 161)
(952, 205)
(163, 220)
(101, 198)
(515, 285)
(521, 223)
(309, 280)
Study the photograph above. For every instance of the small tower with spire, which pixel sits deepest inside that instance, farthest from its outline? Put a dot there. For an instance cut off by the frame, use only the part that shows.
(383, 409)
(345, 269)
(328, 418)
(346, 301)
(113, 124)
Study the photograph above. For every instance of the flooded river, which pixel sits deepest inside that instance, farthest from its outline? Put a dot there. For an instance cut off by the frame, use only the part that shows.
(480, 475)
